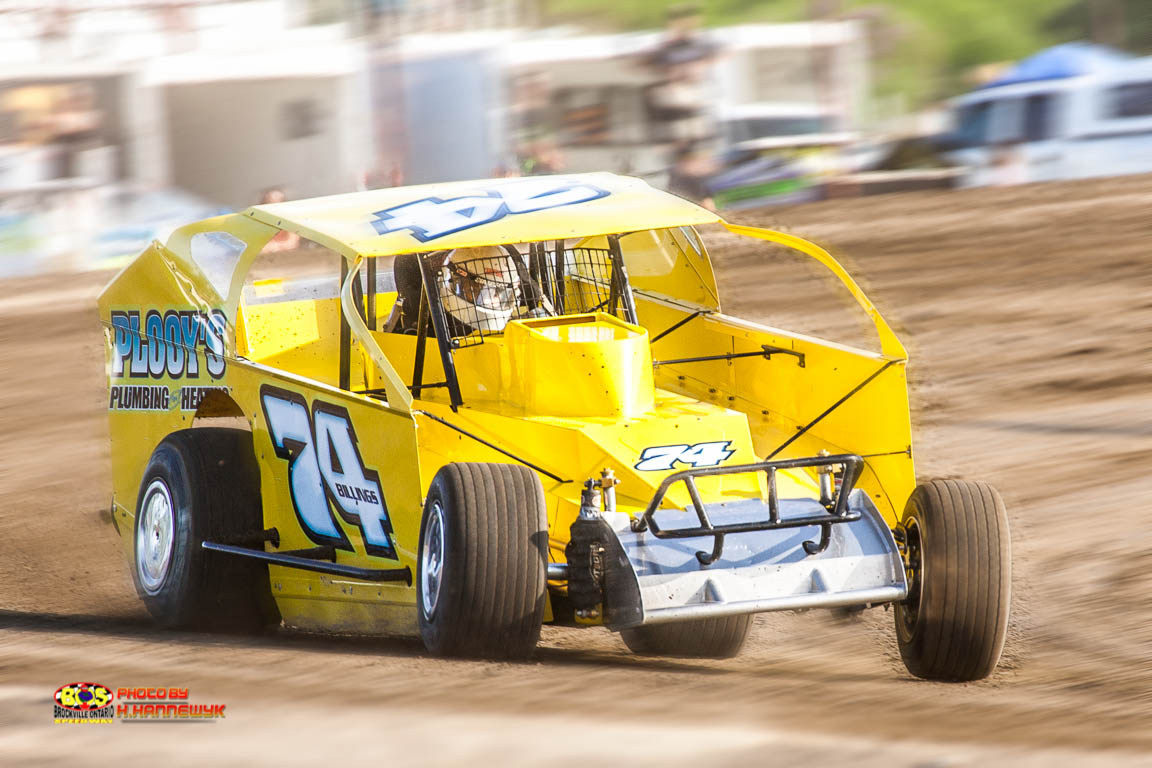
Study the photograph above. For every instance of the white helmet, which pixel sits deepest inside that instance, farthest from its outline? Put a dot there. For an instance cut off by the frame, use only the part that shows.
(480, 287)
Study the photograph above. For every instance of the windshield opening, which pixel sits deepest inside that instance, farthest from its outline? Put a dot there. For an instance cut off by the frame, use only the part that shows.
(481, 290)
(971, 124)
(466, 295)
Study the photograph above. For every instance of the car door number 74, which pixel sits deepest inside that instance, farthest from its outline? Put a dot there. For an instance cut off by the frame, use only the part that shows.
(326, 472)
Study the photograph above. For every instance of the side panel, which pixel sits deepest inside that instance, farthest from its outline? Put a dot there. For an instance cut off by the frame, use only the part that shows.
(169, 331)
(336, 469)
(780, 397)
(168, 343)
(301, 337)
(163, 354)
(834, 397)
(671, 262)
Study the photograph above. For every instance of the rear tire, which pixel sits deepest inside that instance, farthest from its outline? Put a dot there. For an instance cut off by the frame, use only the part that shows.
(715, 638)
(480, 575)
(201, 484)
(958, 562)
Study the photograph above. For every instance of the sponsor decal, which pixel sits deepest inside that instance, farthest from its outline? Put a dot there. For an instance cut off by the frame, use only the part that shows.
(138, 398)
(84, 703)
(141, 397)
(661, 458)
(155, 344)
(326, 472)
(94, 703)
(191, 397)
(433, 217)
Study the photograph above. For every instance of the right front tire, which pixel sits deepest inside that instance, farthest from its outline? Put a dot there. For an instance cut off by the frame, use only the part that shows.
(480, 574)
(958, 562)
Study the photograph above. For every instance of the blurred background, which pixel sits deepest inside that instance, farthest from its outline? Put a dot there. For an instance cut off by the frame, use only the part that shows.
(120, 119)
(942, 149)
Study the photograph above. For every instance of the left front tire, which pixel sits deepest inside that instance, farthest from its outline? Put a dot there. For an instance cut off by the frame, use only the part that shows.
(713, 638)
(201, 484)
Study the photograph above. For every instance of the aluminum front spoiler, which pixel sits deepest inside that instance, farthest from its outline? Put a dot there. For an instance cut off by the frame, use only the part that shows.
(765, 570)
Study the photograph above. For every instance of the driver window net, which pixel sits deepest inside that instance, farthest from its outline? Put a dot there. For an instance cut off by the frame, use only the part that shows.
(481, 294)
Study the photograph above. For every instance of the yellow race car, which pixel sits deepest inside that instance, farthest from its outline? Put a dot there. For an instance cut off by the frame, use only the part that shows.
(514, 402)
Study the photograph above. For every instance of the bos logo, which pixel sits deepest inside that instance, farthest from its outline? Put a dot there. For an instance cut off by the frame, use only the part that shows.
(433, 217)
(326, 472)
(661, 458)
(82, 697)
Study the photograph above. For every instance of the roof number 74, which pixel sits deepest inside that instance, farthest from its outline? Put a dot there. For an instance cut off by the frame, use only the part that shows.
(432, 217)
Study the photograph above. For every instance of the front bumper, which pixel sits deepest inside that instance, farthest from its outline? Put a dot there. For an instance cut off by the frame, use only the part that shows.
(758, 571)
(763, 557)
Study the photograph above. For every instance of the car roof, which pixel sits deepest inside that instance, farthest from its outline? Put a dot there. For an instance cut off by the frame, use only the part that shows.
(462, 214)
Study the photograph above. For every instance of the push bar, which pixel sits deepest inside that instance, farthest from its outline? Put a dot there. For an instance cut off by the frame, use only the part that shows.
(837, 507)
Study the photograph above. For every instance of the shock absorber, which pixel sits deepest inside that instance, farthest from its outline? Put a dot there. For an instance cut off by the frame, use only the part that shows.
(585, 552)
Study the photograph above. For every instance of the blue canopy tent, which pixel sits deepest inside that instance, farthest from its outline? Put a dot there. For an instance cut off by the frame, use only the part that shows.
(1061, 61)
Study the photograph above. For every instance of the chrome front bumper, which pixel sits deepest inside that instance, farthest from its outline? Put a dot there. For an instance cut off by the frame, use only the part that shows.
(759, 570)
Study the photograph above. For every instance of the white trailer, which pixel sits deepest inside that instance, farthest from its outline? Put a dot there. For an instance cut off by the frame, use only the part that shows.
(1097, 124)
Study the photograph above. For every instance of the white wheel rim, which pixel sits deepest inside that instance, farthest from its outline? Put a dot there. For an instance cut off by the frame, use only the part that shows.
(154, 536)
(432, 560)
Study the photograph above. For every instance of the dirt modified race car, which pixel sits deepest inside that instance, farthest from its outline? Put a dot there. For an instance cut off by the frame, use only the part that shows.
(516, 402)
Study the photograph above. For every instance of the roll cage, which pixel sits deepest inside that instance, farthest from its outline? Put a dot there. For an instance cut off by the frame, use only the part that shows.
(551, 272)
(553, 280)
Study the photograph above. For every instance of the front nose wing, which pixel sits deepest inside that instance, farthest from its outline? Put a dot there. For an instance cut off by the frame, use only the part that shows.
(660, 578)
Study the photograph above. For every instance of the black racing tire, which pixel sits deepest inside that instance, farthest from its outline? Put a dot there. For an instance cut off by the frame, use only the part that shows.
(959, 567)
(480, 572)
(201, 484)
(713, 638)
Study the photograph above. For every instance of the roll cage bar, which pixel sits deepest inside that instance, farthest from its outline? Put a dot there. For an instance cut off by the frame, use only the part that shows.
(542, 279)
(399, 395)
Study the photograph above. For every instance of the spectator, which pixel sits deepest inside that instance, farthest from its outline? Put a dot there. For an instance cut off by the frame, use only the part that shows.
(76, 124)
(395, 176)
(283, 240)
(691, 170)
(504, 172)
(531, 109)
(543, 158)
(533, 127)
(378, 179)
(682, 62)
(1008, 166)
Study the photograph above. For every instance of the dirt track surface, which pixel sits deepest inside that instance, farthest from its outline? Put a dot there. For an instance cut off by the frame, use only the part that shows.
(1028, 316)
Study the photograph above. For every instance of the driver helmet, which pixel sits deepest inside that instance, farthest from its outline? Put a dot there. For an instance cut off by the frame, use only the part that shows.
(481, 287)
